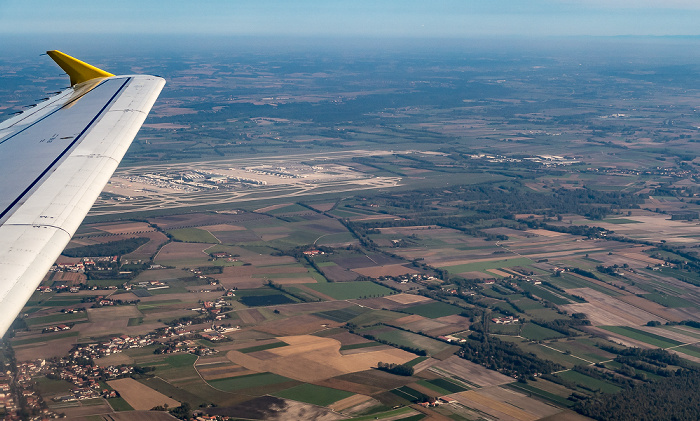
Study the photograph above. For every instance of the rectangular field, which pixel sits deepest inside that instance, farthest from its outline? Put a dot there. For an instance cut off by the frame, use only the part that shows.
(231, 384)
(640, 335)
(313, 394)
(350, 290)
(489, 264)
(433, 310)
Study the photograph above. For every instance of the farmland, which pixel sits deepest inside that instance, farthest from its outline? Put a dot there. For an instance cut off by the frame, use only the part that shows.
(502, 228)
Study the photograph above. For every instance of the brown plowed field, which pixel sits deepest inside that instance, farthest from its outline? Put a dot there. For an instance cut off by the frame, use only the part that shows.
(604, 310)
(140, 396)
(311, 358)
(472, 372)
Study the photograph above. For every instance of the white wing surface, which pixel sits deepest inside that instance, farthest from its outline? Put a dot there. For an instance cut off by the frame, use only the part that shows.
(54, 161)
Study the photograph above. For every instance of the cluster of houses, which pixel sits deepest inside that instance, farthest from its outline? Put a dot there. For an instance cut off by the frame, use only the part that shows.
(83, 264)
(58, 288)
(185, 346)
(24, 388)
(151, 285)
(214, 308)
(505, 320)
(404, 279)
(437, 402)
(57, 328)
(450, 338)
(223, 255)
(111, 346)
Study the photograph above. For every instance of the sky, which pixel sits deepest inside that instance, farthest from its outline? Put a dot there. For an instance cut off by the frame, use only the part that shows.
(364, 18)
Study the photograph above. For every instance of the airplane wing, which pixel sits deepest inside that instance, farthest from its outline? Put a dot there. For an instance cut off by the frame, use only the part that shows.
(54, 161)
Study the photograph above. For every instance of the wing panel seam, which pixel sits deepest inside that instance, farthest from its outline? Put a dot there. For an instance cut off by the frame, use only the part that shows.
(68, 148)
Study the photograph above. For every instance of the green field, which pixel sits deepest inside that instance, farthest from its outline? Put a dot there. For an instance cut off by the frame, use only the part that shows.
(351, 290)
(567, 280)
(119, 404)
(493, 264)
(262, 347)
(375, 316)
(588, 382)
(531, 390)
(394, 414)
(415, 361)
(52, 387)
(342, 315)
(510, 329)
(44, 338)
(288, 209)
(620, 221)
(433, 310)
(360, 345)
(692, 350)
(538, 333)
(56, 318)
(543, 352)
(316, 395)
(180, 360)
(544, 293)
(668, 300)
(230, 384)
(584, 348)
(640, 335)
(688, 331)
(443, 384)
(193, 235)
(62, 302)
(151, 305)
(408, 339)
(177, 393)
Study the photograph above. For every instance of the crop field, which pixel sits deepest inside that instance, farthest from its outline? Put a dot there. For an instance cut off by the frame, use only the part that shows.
(407, 339)
(56, 318)
(150, 305)
(313, 394)
(515, 407)
(433, 310)
(489, 264)
(231, 384)
(257, 348)
(588, 382)
(119, 404)
(642, 336)
(684, 330)
(183, 255)
(375, 316)
(537, 333)
(668, 300)
(312, 358)
(544, 293)
(606, 310)
(509, 329)
(266, 300)
(530, 389)
(583, 347)
(193, 235)
(351, 290)
(342, 315)
(692, 350)
(140, 396)
(443, 384)
(545, 352)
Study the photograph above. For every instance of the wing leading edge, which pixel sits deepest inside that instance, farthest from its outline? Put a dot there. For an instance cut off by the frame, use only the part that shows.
(54, 161)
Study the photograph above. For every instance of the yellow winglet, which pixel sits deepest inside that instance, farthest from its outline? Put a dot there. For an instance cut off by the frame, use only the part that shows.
(78, 71)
